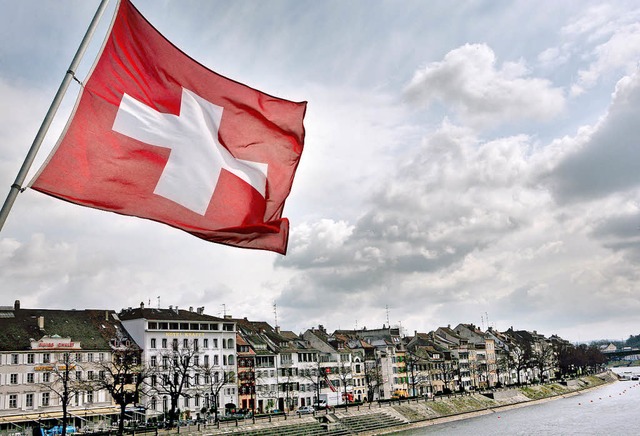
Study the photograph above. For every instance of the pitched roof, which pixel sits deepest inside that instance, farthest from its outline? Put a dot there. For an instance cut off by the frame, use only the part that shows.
(93, 329)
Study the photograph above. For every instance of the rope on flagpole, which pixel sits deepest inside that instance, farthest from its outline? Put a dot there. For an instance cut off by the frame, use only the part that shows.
(16, 187)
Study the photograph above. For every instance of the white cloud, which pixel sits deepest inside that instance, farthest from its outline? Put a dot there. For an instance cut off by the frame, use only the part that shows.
(429, 213)
(480, 92)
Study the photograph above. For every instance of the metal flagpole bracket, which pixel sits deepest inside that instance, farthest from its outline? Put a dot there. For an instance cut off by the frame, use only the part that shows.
(16, 187)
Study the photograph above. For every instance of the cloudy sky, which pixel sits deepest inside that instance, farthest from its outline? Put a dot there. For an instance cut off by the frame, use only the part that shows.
(471, 161)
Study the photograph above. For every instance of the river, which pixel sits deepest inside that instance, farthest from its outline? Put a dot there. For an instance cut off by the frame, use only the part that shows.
(609, 410)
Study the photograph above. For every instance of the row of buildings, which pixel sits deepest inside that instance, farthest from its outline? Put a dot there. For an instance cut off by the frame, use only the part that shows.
(200, 365)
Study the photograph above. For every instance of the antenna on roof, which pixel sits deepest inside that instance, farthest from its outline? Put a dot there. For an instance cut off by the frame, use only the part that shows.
(224, 310)
(275, 312)
(158, 301)
(387, 309)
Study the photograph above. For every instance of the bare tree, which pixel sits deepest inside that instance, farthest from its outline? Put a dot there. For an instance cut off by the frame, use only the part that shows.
(316, 376)
(417, 363)
(521, 358)
(543, 358)
(372, 378)
(59, 382)
(172, 374)
(346, 379)
(121, 378)
(214, 381)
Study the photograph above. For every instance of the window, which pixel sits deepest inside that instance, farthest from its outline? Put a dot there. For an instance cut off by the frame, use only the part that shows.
(45, 398)
(46, 358)
(175, 344)
(28, 400)
(224, 360)
(89, 396)
(30, 377)
(215, 343)
(31, 358)
(230, 343)
(196, 360)
(78, 375)
(231, 359)
(196, 381)
(154, 403)
(78, 357)
(89, 375)
(185, 343)
(14, 359)
(216, 361)
(101, 375)
(154, 361)
(89, 357)
(152, 325)
(164, 343)
(205, 343)
(14, 379)
(153, 342)
(206, 361)
(154, 380)
(100, 357)
(46, 377)
(195, 345)
(13, 401)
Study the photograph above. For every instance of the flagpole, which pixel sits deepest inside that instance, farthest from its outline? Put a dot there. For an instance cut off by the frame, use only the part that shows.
(16, 188)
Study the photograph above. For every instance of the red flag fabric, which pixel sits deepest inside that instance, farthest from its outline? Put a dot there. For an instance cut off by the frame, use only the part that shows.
(157, 135)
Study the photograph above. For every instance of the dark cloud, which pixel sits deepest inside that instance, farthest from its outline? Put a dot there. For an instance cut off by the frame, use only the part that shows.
(608, 160)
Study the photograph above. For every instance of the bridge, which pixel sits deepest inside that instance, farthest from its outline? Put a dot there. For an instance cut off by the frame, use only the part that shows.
(620, 354)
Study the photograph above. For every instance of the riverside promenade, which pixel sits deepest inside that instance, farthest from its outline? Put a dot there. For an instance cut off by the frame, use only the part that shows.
(390, 417)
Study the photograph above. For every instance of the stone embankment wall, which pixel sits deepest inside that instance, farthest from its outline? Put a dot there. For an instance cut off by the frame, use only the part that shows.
(446, 409)
(408, 414)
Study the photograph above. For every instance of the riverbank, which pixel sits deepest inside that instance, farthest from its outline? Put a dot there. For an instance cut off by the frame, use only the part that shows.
(459, 409)
(397, 416)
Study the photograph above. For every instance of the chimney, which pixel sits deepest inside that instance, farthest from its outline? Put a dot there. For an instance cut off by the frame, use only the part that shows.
(190, 308)
(170, 307)
(176, 310)
(142, 305)
(16, 305)
(41, 322)
(277, 329)
(200, 310)
(106, 315)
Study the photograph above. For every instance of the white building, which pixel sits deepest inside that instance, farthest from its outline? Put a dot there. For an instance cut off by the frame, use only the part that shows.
(40, 347)
(210, 341)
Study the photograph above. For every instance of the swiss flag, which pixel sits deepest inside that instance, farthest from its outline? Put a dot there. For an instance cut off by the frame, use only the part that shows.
(157, 135)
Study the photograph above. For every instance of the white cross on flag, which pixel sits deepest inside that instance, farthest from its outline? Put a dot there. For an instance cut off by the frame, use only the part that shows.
(155, 134)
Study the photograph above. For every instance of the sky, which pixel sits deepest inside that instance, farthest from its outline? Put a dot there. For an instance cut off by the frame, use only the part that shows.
(464, 162)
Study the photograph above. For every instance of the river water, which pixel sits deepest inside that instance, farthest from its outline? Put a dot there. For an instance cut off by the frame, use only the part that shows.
(609, 410)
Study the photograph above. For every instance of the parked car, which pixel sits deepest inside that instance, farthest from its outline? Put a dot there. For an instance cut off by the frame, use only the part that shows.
(305, 410)
(320, 405)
